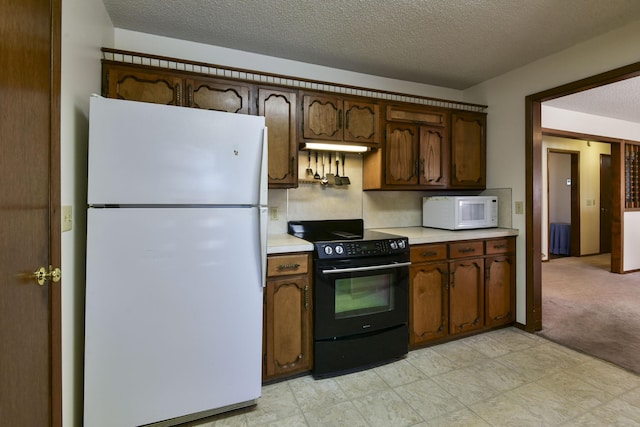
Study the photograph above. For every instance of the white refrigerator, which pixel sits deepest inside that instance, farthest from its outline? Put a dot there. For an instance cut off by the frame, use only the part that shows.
(176, 258)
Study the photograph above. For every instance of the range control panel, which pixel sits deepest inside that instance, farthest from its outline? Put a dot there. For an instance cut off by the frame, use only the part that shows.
(342, 250)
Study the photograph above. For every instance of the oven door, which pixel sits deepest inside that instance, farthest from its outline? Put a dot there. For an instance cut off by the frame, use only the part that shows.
(360, 296)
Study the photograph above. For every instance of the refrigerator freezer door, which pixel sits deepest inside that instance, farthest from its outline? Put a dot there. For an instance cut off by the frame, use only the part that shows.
(173, 313)
(142, 153)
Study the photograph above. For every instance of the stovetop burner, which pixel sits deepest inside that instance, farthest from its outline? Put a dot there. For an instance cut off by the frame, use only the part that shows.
(341, 239)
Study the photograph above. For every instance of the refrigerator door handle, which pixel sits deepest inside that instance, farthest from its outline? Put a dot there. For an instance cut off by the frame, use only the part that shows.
(264, 172)
(264, 221)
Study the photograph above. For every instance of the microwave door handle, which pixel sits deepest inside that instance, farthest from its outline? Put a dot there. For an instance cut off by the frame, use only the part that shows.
(368, 268)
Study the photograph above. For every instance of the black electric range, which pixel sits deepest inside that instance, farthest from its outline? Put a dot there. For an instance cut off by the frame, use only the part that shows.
(343, 239)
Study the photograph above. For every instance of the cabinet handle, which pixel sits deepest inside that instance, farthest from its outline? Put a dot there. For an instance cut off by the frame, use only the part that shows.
(306, 297)
(283, 267)
(452, 282)
(421, 166)
(503, 246)
(504, 316)
(467, 250)
(293, 163)
(190, 95)
(428, 254)
(339, 119)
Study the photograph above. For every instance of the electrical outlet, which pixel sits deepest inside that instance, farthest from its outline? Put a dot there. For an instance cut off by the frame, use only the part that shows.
(519, 208)
(274, 214)
(67, 218)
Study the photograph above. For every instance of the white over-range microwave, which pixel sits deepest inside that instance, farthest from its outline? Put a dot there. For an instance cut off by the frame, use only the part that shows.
(460, 212)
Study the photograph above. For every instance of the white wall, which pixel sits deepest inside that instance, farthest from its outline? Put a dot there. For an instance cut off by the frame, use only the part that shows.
(85, 28)
(631, 257)
(505, 96)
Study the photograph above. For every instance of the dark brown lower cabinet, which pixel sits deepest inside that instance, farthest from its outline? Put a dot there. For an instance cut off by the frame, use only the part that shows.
(287, 338)
(460, 287)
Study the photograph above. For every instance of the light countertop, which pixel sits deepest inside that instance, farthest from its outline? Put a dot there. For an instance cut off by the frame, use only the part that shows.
(283, 243)
(418, 235)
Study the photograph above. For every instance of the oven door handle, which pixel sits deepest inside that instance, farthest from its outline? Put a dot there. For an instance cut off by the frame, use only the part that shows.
(367, 268)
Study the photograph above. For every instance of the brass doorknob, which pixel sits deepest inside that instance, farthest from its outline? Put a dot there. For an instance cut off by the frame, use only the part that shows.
(42, 275)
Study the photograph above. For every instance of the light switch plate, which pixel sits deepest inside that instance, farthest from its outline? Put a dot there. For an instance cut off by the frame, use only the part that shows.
(67, 218)
(519, 208)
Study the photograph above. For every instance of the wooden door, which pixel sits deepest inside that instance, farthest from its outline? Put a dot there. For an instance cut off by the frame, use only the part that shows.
(606, 203)
(30, 365)
(133, 84)
(288, 326)
(361, 122)
(466, 295)
(322, 118)
(429, 302)
(279, 110)
(468, 150)
(500, 276)
(401, 154)
(218, 95)
(434, 156)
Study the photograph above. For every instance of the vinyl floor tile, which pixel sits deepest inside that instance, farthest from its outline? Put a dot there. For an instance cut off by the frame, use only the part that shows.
(502, 378)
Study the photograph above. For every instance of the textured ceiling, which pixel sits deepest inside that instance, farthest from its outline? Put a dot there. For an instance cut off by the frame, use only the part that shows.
(449, 43)
(619, 100)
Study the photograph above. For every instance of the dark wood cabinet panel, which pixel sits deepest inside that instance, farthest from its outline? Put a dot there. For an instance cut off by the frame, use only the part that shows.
(144, 86)
(340, 119)
(500, 275)
(466, 295)
(361, 122)
(429, 308)
(287, 339)
(461, 287)
(434, 157)
(280, 112)
(210, 94)
(401, 154)
(468, 150)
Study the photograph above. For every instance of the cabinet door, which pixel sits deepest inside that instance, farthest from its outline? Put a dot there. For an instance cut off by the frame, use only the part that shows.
(287, 327)
(137, 85)
(401, 154)
(500, 275)
(434, 156)
(468, 150)
(466, 295)
(361, 122)
(428, 302)
(279, 109)
(322, 118)
(218, 95)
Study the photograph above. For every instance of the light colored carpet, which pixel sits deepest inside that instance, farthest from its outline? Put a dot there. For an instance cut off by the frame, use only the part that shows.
(590, 309)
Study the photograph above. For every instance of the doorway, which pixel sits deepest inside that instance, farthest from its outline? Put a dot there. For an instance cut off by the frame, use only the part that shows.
(533, 149)
(563, 203)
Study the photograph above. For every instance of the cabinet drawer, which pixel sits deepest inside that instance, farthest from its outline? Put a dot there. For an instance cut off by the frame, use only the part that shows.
(466, 249)
(500, 246)
(425, 253)
(416, 115)
(282, 265)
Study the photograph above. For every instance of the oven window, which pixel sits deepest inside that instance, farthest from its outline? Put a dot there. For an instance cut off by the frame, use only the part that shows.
(358, 296)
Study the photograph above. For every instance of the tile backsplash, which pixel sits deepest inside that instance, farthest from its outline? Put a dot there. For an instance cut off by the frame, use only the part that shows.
(378, 209)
